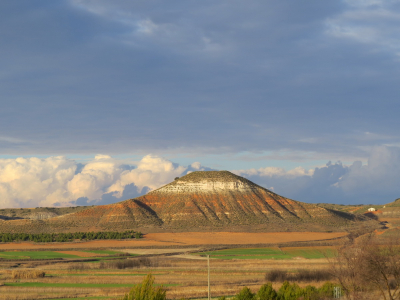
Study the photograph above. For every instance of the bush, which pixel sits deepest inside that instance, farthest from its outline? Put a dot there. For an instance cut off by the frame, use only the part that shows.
(311, 275)
(27, 274)
(276, 275)
(326, 290)
(310, 293)
(300, 275)
(128, 263)
(245, 294)
(289, 291)
(267, 292)
(146, 291)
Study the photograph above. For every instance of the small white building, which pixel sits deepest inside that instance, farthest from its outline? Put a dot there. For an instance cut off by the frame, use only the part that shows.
(371, 209)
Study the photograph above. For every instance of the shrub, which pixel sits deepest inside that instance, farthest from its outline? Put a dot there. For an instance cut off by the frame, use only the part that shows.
(300, 275)
(27, 274)
(311, 275)
(146, 291)
(310, 293)
(267, 292)
(289, 291)
(276, 275)
(128, 263)
(245, 294)
(326, 290)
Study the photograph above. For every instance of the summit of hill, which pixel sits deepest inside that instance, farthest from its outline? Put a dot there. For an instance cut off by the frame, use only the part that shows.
(202, 200)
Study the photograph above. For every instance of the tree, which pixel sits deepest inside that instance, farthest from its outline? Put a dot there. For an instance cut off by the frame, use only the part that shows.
(369, 264)
(146, 291)
(267, 292)
(245, 294)
(289, 291)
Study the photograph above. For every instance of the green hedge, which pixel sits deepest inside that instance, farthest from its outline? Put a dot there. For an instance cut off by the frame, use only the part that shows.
(68, 237)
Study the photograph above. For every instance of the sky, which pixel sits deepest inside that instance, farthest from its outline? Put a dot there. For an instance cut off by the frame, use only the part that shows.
(105, 100)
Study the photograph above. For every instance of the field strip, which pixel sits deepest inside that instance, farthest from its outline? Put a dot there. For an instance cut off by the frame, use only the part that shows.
(82, 253)
(185, 239)
(158, 251)
(234, 238)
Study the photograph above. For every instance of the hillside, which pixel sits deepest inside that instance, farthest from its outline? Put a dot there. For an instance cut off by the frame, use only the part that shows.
(211, 200)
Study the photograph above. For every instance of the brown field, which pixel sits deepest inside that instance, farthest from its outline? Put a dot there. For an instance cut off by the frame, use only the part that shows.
(186, 239)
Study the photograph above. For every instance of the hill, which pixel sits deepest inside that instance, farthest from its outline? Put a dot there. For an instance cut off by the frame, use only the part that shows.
(204, 200)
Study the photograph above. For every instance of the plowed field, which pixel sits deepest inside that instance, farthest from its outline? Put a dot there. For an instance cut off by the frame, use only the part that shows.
(186, 239)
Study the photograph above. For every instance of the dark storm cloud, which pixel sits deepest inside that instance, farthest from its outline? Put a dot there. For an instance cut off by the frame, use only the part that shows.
(112, 76)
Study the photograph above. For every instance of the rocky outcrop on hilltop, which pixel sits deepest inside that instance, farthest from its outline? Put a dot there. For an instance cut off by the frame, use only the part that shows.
(204, 199)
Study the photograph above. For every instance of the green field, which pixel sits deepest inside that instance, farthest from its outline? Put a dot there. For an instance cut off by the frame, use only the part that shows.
(108, 252)
(269, 253)
(34, 255)
(311, 252)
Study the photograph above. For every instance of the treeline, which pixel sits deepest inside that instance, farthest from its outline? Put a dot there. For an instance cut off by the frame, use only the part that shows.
(288, 291)
(68, 237)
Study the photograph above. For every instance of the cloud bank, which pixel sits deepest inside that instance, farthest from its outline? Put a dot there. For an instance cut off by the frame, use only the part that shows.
(59, 181)
(55, 181)
(376, 182)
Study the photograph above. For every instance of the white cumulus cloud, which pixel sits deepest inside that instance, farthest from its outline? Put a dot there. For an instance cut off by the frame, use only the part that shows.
(32, 182)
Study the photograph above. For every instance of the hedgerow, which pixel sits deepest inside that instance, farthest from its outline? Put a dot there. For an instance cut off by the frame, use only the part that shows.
(68, 237)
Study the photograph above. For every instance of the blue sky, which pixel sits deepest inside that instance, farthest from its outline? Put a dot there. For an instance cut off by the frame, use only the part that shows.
(237, 85)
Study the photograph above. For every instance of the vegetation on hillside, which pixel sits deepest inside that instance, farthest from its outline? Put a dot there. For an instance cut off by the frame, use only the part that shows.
(68, 237)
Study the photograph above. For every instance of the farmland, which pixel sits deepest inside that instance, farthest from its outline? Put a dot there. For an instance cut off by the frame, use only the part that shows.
(272, 253)
(107, 269)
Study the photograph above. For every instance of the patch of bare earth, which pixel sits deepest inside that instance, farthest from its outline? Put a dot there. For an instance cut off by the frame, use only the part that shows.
(186, 239)
(234, 238)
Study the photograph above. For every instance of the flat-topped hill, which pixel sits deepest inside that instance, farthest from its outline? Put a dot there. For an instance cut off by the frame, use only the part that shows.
(199, 200)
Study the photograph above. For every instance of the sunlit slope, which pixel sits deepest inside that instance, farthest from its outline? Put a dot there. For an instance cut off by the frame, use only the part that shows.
(220, 198)
(212, 199)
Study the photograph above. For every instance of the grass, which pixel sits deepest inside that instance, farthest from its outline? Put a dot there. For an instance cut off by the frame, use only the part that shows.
(70, 285)
(271, 253)
(79, 274)
(73, 285)
(109, 252)
(185, 278)
(83, 298)
(35, 255)
(311, 253)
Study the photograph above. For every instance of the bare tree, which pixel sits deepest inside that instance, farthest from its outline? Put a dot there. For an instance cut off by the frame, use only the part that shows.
(369, 265)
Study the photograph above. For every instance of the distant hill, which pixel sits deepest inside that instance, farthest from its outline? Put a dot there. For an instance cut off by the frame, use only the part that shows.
(204, 200)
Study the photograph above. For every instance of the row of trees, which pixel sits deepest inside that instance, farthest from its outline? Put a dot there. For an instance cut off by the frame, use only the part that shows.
(288, 291)
(69, 237)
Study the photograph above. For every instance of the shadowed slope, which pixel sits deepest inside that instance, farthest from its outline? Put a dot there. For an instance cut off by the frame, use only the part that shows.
(114, 217)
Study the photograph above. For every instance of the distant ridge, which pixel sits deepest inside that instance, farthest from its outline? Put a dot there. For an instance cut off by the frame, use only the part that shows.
(203, 199)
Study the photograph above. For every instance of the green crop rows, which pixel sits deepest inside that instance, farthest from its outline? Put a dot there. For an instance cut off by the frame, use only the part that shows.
(35, 255)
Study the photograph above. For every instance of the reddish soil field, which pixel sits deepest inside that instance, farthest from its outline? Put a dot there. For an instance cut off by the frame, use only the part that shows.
(186, 239)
